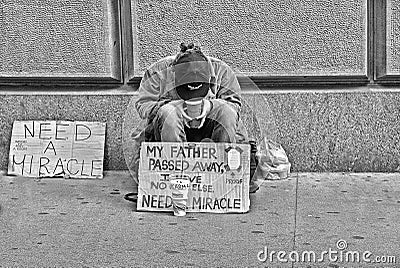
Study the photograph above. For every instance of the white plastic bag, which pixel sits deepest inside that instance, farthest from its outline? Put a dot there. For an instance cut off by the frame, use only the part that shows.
(273, 163)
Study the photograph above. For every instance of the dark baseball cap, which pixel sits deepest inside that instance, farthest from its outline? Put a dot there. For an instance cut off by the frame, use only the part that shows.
(192, 68)
(192, 76)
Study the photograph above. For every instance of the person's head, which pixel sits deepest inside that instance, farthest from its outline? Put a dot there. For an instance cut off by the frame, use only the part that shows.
(192, 72)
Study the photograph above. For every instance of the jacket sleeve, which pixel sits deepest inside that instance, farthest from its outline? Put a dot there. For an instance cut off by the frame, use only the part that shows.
(149, 93)
(228, 87)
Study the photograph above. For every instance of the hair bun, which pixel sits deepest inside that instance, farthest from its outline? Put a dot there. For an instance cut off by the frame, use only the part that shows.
(185, 47)
(187, 50)
(190, 46)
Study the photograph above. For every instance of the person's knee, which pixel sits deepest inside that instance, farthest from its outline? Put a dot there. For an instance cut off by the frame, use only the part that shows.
(168, 124)
(168, 113)
(169, 116)
(167, 110)
(225, 114)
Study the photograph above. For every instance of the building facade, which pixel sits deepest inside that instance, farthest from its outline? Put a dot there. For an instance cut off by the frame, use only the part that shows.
(320, 77)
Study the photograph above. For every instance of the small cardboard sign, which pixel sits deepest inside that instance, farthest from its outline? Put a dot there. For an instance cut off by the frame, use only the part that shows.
(218, 175)
(57, 149)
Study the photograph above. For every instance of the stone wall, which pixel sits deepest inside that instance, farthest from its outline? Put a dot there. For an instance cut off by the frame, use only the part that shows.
(326, 72)
(321, 131)
(272, 38)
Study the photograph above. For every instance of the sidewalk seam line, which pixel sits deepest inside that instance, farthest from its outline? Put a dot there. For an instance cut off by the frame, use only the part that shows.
(295, 214)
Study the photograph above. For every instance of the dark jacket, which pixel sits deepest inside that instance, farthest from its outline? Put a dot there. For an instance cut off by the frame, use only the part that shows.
(158, 87)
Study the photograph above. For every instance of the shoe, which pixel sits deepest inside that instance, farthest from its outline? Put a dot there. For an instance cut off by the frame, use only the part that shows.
(253, 187)
(131, 197)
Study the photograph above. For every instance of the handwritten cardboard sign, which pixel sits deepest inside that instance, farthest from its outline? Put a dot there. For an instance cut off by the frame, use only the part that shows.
(57, 149)
(218, 173)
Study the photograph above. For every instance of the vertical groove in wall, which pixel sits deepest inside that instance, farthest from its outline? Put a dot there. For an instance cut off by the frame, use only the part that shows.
(126, 33)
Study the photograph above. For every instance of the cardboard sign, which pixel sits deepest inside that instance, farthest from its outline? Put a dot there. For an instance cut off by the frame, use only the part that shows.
(57, 149)
(218, 173)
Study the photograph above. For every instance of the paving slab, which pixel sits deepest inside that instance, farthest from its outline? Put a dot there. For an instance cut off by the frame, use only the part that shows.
(87, 223)
(352, 214)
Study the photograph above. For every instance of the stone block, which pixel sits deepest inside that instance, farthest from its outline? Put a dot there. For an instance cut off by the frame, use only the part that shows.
(267, 38)
(59, 39)
(320, 131)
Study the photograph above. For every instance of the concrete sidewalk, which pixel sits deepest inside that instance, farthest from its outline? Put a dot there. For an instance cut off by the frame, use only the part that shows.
(87, 223)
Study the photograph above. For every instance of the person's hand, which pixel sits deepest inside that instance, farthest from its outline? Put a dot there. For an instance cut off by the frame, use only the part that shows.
(207, 106)
(179, 105)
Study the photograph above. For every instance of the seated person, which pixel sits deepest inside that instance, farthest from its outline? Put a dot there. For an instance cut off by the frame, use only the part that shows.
(171, 81)
(165, 90)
